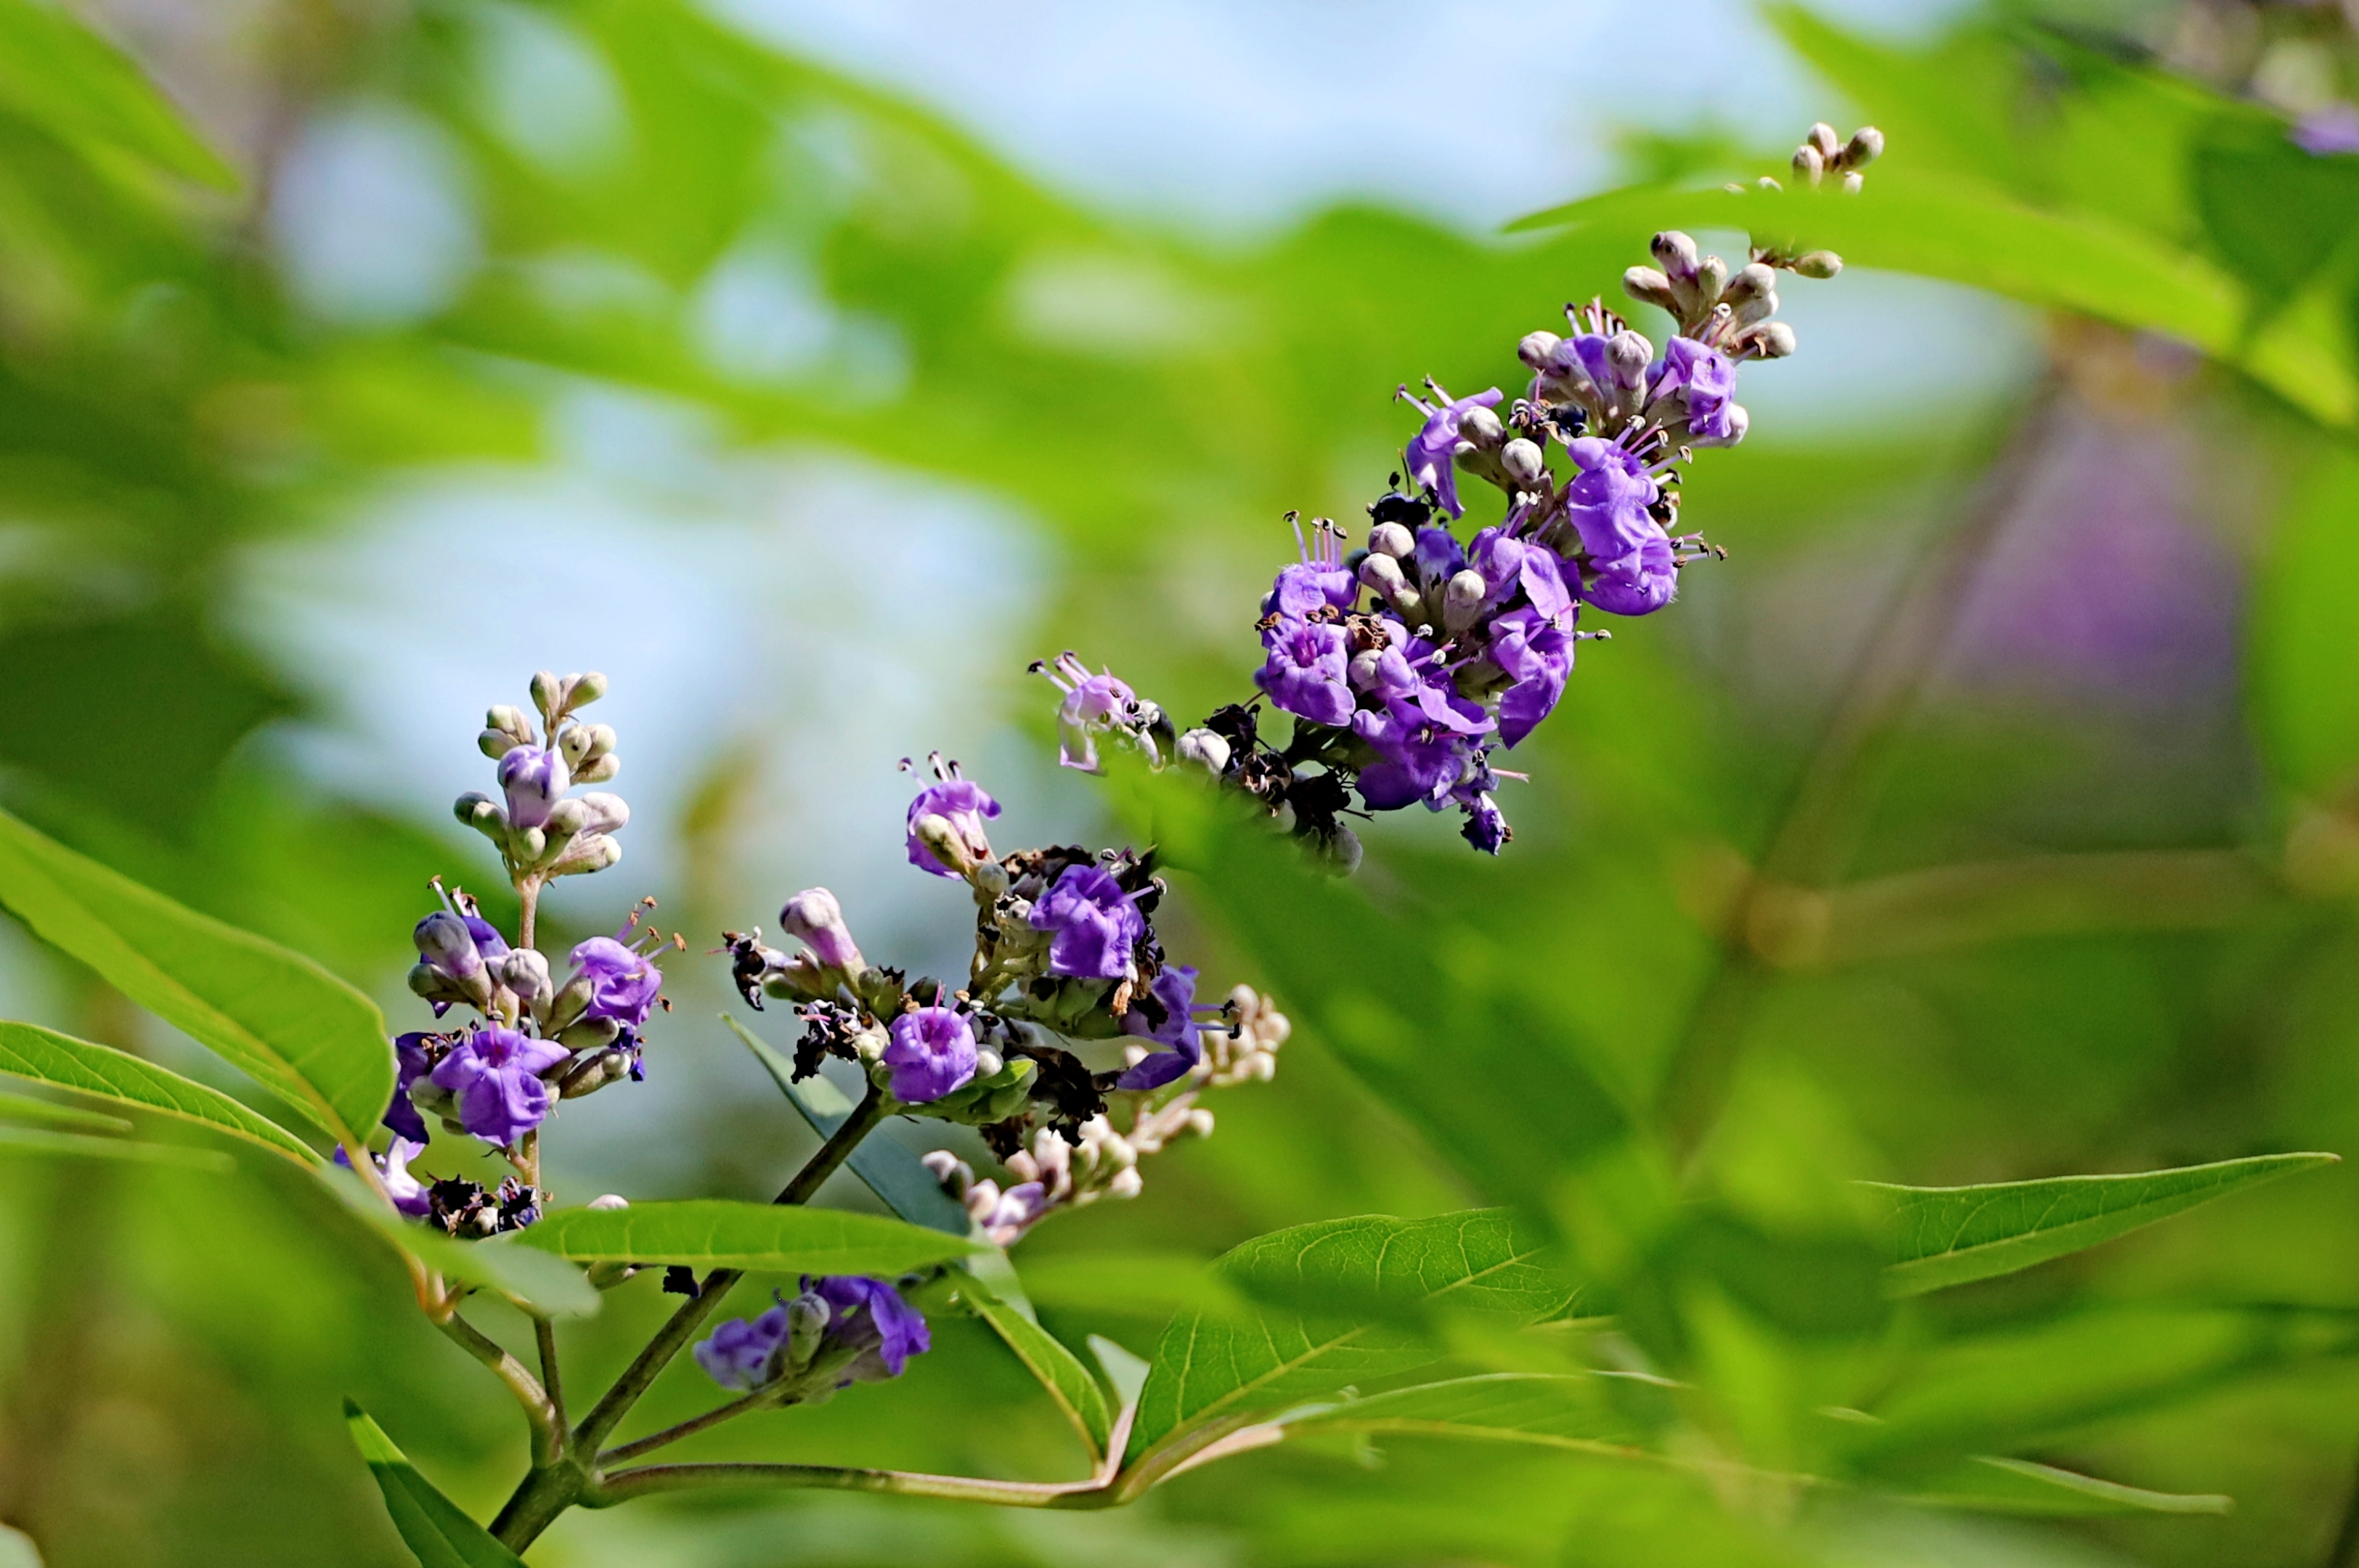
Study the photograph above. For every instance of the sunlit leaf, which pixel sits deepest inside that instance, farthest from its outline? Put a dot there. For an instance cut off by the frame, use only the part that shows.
(770, 1239)
(50, 1113)
(28, 1051)
(1949, 1236)
(2024, 1487)
(1068, 1383)
(282, 1018)
(42, 1141)
(433, 1527)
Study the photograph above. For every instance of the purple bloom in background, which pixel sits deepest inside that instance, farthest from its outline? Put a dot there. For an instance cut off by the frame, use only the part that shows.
(2333, 129)
(495, 1073)
(1538, 656)
(1306, 670)
(402, 1117)
(1705, 382)
(737, 1354)
(932, 1054)
(1638, 583)
(622, 983)
(1095, 923)
(1174, 992)
(1609, 498)
(963, 805)
(1487, 826)
(408, 1192)
(534, 780)
(1432, 449)
(870, 1314)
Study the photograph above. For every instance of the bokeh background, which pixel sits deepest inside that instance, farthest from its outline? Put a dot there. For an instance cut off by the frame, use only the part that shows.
(1992, 812)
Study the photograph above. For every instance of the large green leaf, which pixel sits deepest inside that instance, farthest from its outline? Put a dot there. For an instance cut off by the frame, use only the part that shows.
(529, 1276)
(41, 1142)
(890, 1171)
(434, 1526)
(50, 1113)
(2024, 1487)
(28, 1051)
(1061, 1372)
(58, 74)
(1538, 1409)
(1949, 1236)
(278, 1015)
(769, 1238)
(1363, 1283)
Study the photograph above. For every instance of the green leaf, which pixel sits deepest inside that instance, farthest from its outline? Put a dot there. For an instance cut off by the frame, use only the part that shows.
(1362, 1283)
(434, 1526)
(1949, 1236)
(28, 1051)
(41, 1140)
(890, 1171)
(57, 73)
(50, 1113)
(1061, 1372)
(547, 1285)
(2024, 1487)
(768, 1238)
(1542, 1410)
(284, 1019)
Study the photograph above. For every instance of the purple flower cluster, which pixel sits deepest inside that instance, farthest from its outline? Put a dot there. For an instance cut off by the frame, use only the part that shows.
(862, 1321)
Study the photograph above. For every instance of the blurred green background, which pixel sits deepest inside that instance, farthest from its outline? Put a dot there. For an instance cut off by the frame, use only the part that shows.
(1992, 812)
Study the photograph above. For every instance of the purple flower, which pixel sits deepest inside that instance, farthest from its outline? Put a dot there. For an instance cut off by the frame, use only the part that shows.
(1581, 361)
(737, 1354)
(1306, 670)
(1093, 703)
(1421, 759)
(488, 940)
(408, 1192)
(1318, 582)
(534, 780)
(401, 1116)
(1638, 583)
(963, 805)
(495, 1073)
(1608, 500)
(2333, 129)
(1095, 923)
(1431, 451)
(1174, 994)
(1538, 656)
(932, 1054)
(622, 982)
(813, 915)
(869, 1315)
(1486, 827)
(1704, 381)
(444, 941)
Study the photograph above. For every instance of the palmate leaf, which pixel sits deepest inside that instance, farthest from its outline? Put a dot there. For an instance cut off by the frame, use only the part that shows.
(432, 1525)
(1362, 1283)
(1950, 1235)
(1061, 1372)
(282, 1018)
(42, 1142)
(768, 1238)
(45, 1056)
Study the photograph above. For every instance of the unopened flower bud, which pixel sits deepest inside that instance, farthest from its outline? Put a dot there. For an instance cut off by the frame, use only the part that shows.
(1524, 463)
(943, 840)
(525, 972)
(534, 779)
(566, 818)
(1343, 851)
(589, 852)
(1390, 539)
(1205, 748)
(574, 745)
(1769, 340)
(495, 743)
(814, 915)
(606, 1201)
(1199, 1122)
(1629, 353)
(546, 691)
(1461, 600)
(1677, 254)
(1126, 1184)
(1738, 421)
(589, 1033)
(581, 690)
(1760, 308)
(1853, 183)
(954, 1173)
(807, 1317)
(1809, 163)
(1867, 145)
(1817, 263)
(1383, 573)
(1534, 351)
(593, 1071)
(444, 942)
(1481, 427)
(1649, 287)
(1750, 283)
(1821, 139)
(509, 720)
(990, 878)
(1710, 279)
(1362, 669)
(604, 813)
(483, 814)
(566, 1005)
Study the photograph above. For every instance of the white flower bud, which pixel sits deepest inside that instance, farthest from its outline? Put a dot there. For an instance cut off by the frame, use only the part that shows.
(1817, 263)
(606, 1201)
(1362, 671)
(1853, 183)
(546, 691)
(1649, 287)
(1751, 282)
(954, 1173)
(606, 812)
(483, 814)
(1769, 340)
(581, 690)
(1205, 748)
(1711, 278)
(1534, 351)
(1199, 1122)
(1383, 573)
(599, 769)
(1738, 422)
(1867, 145)
(1629, 354)
(1461, 600)
(1677, 254)
(1524, 463)
(1126, 1184)
(1482, 426)
(1821, 138)
(1809, 163)
(495, 743)
(1760, 308)
(1390, 539)
(573, 745)
(566, 818)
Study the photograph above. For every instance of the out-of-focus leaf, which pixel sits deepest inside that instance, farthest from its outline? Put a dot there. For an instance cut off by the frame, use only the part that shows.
(1126, 1374)
(287, 1022)
(1949, 1236)
(2275, 213)
(434, 1526)
(1552, 1411)
(548, 1285)
(1157, 1284)
(57, 73)
(2024, 1487)
(890, 1171)
(1214, 1371)
(41, 1140)
(50, 1113)
(28, 1051)
(770, 1239)
(2308, 599)
(1068, 1383)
